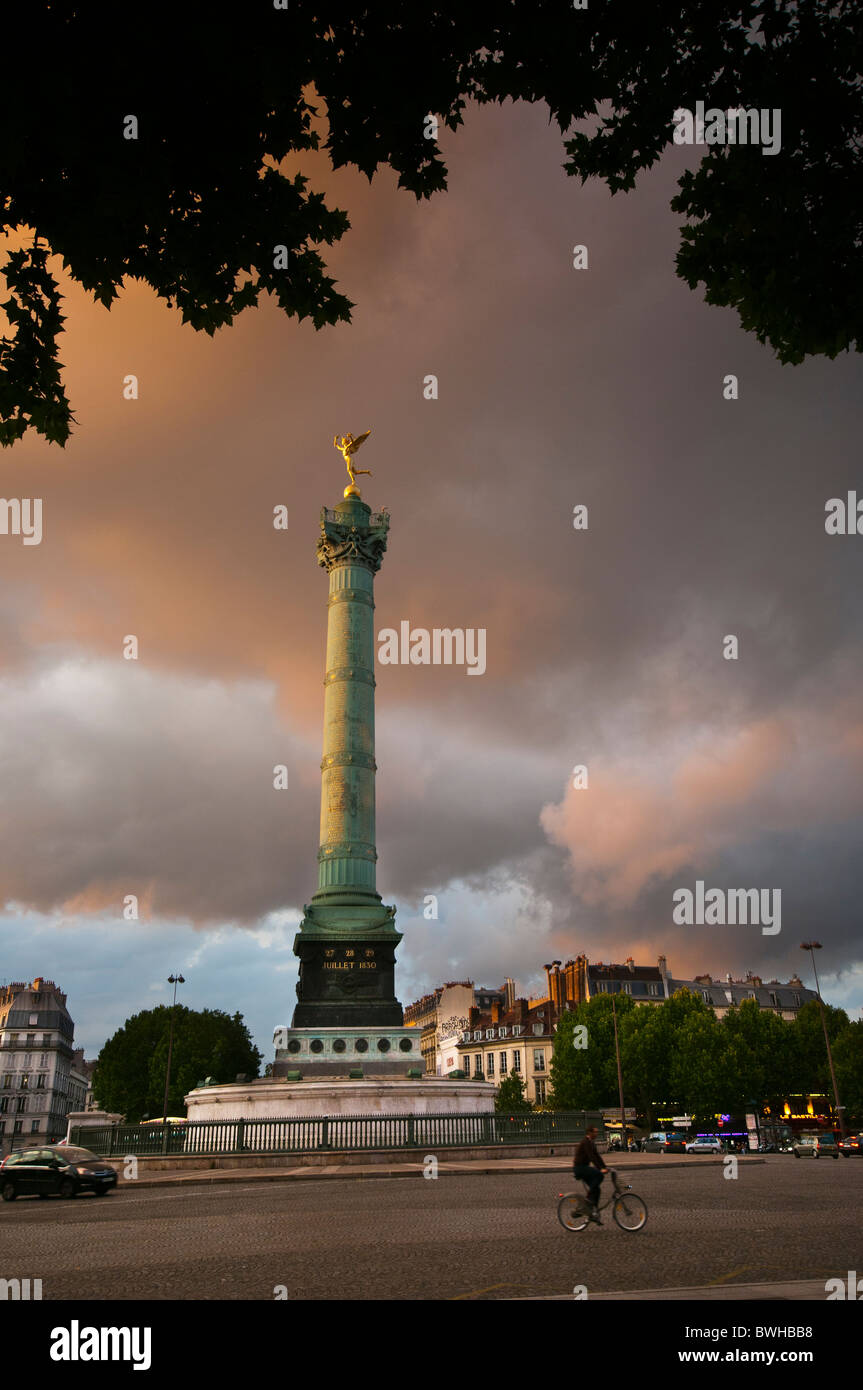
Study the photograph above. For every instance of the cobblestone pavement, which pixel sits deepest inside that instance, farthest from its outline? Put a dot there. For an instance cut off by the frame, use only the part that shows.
(493, 1237)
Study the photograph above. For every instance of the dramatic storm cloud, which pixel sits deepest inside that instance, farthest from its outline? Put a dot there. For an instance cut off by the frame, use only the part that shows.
(557, 387)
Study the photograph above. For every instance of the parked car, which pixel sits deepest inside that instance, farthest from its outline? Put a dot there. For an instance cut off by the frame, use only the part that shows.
(665, 1141)
(851, 1146)
(815, 1146)
(704, 1145)
(62, 1171)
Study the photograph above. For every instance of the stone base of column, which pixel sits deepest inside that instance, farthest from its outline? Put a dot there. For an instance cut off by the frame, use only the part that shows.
(347, 982)
(378, 1053)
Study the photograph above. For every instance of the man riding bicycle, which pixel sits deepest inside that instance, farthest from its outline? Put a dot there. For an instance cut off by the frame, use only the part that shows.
(589, 1168)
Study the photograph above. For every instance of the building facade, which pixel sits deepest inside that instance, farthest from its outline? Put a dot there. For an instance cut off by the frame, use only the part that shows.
(443, 1016)
(580, 979)
(517, 1040)
(36, 1063)
(786, 999)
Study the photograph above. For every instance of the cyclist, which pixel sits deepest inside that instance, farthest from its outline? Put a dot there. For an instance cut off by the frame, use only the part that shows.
(588, 1167)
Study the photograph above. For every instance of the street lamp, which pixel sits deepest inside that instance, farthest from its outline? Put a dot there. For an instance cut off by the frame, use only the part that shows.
(812, 947)
(172, 980)
(623, 1133)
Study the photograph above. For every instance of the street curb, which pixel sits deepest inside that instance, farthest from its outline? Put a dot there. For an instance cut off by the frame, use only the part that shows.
(205, 1177)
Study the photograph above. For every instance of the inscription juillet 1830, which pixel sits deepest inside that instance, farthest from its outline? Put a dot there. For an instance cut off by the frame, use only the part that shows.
(348, 960)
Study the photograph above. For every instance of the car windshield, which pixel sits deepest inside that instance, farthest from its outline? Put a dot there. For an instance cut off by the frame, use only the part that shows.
(76, 1155)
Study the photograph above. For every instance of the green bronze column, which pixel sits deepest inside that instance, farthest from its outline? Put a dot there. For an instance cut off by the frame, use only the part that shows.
(347, 939)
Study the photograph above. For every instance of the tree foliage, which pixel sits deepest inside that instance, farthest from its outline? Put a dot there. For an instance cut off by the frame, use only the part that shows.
(680, 1053)
(510, 1098)
(197, 203)
(129, 1075)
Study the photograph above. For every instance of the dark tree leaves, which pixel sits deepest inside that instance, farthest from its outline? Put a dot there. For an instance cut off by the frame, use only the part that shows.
(195, 206)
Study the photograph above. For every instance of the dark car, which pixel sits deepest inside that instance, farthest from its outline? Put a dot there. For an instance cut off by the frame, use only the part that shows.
(851, 1146)
(665, 1141)
(63, 1171)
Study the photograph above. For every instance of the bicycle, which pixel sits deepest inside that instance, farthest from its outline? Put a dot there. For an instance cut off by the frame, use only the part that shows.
(628, 1209)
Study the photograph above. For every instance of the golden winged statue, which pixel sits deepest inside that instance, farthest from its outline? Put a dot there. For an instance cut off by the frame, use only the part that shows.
(347, 447)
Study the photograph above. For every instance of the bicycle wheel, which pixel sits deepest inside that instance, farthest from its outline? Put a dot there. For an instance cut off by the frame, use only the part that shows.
(629, 1211)
(572, 1211)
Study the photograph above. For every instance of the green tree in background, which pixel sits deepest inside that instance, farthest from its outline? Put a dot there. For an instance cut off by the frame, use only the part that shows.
(761, 1056)
(848, 1060)
(129, 1075)
(585, 1077)
(510, 1098)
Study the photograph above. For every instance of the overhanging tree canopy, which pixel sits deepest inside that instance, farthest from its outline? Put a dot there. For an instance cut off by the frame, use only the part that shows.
(196, 204)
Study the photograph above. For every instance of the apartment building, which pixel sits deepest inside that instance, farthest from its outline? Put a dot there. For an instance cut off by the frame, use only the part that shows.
(36, 1064)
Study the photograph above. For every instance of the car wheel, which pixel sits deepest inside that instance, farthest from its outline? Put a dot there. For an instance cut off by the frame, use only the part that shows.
(796, 1154)
(102, 1192)
(9, 1193)
(67, 1188)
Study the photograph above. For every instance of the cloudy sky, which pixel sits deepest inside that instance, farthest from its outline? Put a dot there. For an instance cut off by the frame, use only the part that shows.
(557, 387)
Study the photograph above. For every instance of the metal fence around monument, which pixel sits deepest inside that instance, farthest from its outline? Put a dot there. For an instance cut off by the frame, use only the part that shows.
(337, 1133)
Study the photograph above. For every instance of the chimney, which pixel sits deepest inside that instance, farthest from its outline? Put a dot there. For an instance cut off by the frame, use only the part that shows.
(509, 992)
(495, 1012)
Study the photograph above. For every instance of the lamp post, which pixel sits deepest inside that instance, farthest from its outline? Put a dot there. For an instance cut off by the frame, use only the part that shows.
(623, 1135)
(812, 947)
(172, 980)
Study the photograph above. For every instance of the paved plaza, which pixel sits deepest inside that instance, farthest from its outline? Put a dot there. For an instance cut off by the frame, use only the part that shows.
(782, 1223)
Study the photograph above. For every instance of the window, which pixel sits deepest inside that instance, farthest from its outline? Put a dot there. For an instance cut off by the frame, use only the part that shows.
(503, 1064)
(490, 1064)
(22, 1105)
(796, 998)
(7, 1080)
(31, 1038)
(27, 1060)
(540, 1090)
(516, 1061)
(4, 1104)
(539, 1059)
(43, 1059)
(24, 1083)
(705, 994)
(602, 987)
(477, 1064)
(40, 1081)
(18, 1126)
(653, 988)
(34, 1127)
(34, 1018)
(774, 1001)
(516, 1029)
(626, 987)
(489, 1032)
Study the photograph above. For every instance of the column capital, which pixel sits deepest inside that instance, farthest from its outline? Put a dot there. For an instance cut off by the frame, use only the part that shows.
(351, 534)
